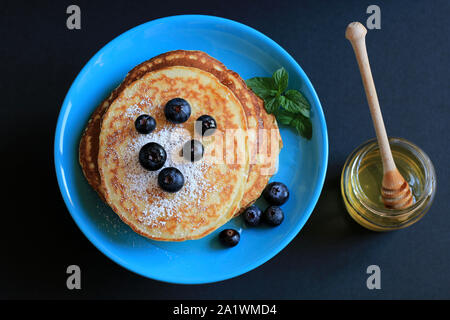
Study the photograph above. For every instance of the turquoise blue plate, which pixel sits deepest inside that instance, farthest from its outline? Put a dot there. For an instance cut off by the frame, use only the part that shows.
(302, 163)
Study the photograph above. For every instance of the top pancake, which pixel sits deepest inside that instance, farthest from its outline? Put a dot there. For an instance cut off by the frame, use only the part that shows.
(261, 168)
(214, 185)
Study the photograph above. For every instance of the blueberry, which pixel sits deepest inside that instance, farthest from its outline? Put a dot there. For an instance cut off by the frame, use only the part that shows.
(229, 237)
(193, 150)
(145, 124)
(177, 110)
(152, 156)
(208, 125)
(273, 215)
(252, 215)
(170, 179)
(276, 193)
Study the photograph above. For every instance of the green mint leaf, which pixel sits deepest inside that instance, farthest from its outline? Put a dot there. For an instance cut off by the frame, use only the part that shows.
(285, 117)
(295, 109)
(262, 87)
(272, 104)
(297, 103)
(303, 126)
(281, 79)
(300, 123)
(281, 100)
(298, 97)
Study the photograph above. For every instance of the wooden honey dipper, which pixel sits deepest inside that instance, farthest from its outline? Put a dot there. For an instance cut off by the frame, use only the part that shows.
(395, 191)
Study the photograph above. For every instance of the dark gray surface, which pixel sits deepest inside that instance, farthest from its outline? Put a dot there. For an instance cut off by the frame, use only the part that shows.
(410, 62)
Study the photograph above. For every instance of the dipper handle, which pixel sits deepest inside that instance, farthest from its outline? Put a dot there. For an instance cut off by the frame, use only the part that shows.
(356, 34)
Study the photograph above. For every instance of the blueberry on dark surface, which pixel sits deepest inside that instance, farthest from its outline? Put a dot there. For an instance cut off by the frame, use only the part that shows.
(276, 193)
(177, 110)
(229, 237)
(193, 150)
(152, 156)
(273, 215)
(170, 179)
(145, 124)
(207, 124)
(252, 215)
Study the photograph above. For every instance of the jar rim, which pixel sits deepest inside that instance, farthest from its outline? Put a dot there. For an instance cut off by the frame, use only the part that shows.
(424, 163)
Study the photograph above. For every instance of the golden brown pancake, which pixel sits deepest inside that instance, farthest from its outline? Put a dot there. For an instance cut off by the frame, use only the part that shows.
(213, 187)
(261, 168)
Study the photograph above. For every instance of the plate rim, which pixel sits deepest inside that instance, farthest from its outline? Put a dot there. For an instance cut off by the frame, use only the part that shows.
(289, 236)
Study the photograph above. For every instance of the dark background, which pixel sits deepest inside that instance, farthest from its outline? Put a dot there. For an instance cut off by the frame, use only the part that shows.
(410, 58)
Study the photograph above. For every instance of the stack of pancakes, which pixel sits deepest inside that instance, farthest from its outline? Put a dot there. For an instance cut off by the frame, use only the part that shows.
(219, 186)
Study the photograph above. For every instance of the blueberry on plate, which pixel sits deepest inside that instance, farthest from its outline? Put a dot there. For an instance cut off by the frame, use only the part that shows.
(229, 237)
(206, 124)
(252, 215)
(145, 124)
(276, 193)
(193, 150)
(177, 110)
(170, 179)
(152, 156)
(273, 215)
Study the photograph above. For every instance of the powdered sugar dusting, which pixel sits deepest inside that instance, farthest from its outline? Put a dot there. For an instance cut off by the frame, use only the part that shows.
(133, 111)
(142, 184)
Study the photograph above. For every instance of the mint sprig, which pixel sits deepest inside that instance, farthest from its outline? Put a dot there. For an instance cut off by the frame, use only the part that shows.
(289, 106)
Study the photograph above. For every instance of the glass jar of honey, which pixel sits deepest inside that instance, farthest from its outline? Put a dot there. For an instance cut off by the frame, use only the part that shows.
(361, 185)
